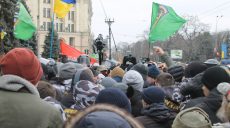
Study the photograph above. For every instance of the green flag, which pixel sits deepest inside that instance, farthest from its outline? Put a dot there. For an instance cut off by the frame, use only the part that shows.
(165, 22)
(24, 27)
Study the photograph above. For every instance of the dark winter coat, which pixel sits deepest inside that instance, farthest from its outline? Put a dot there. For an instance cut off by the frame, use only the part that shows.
(209, 104)
(157, 116)
(136, 103)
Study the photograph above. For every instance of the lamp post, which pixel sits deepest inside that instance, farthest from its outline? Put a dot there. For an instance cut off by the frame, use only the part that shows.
(217, 43)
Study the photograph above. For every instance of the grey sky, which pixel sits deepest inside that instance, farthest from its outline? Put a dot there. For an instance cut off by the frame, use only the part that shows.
(132, 17)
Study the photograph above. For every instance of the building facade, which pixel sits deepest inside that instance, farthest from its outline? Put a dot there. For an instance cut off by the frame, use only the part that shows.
(75, 28)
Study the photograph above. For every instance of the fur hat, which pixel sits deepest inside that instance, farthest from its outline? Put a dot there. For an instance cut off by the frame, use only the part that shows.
(115, 97)
(194, 68)
(192, 118)
(45, 89)
(142, 69)
(215, 75)
(117, 71)
(23, 63)
(134, 79)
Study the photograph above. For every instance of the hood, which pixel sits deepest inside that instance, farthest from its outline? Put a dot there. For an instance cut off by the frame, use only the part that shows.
(158, 112)
(103, 119)
(14, 83)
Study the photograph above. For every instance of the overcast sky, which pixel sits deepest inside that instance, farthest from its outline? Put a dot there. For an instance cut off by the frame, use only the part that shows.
(132, 17)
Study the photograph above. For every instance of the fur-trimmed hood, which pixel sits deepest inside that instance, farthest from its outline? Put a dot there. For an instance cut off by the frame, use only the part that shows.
(15, 83)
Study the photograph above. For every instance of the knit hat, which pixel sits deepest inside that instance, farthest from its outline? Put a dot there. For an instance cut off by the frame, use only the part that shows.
(194, 68)
(23, 63)
(192, 118)
(153, 95)
(108, 82)
(117, 71)
(224, 88)
(115, 97)
(153, 71)
(215, 75)
(67, 71)
(45, 89)
(83, 74)
(134, 79)
(85, 93)
(177, 72)
(165, 79)
(142, 69)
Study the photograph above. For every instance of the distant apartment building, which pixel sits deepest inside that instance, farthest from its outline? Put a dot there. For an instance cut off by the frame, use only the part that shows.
(75, 28)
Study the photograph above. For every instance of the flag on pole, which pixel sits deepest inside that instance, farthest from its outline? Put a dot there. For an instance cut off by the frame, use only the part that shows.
(164, 23)
(62, 7)
(24, 27)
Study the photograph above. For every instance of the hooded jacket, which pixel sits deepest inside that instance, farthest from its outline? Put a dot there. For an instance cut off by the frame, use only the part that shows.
(157, 115)
(21, 106)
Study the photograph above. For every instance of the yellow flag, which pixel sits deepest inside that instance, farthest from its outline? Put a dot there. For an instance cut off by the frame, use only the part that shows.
(62, 8)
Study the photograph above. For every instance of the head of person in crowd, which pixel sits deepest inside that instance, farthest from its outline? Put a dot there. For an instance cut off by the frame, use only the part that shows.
(45, 89)
(142, 69)
(84, 93)
(194, 68)
(165, 80)
(67, 72)
(103, 116)
(117, 74)
(128, 90)
(95, 74)
(193, 88)
(211, 62)
(115, 97)
(153, 95)
(153, 72)
(213, 76)
(224, 112)
(83, 74)
(108, 82)
(134, 79)
(103, 70)
(192, 118)
(28, 66)
(177, 72)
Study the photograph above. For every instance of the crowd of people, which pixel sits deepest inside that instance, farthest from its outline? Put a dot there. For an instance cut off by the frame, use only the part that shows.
(34, 94)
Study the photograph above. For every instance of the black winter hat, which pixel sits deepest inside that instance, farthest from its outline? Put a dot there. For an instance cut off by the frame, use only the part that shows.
(194, 68)
(142, 69)
(177, 72)
(215, 75)
(153, 95)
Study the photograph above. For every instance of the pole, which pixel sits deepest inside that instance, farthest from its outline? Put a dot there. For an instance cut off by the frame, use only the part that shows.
(217, 43)
(149, 50)
(109, 22)
(52, 36)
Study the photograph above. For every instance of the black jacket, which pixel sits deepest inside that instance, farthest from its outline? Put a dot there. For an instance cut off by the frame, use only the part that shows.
(157, 116)
(209, 104)
(136, 103)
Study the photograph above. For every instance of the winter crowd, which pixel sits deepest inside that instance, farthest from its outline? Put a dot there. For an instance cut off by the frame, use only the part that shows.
(151, 95)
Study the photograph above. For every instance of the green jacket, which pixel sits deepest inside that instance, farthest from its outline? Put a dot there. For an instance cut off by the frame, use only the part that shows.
(21, 106)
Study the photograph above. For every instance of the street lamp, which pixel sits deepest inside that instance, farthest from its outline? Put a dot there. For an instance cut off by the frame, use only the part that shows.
(217, 43)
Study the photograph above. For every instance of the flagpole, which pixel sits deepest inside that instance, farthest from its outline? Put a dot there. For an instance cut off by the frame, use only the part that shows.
(52, 36)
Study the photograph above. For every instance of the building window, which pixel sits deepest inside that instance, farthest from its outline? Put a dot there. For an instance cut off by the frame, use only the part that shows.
(71, 41)
(49, 25)
(69, 27)
(44, 1)
(72, 27)
(69, 16)
(48, 1)
(44, 12)
(57, 27)
(72, 15)
(48, 13)
(44, 26)
(61, 27)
